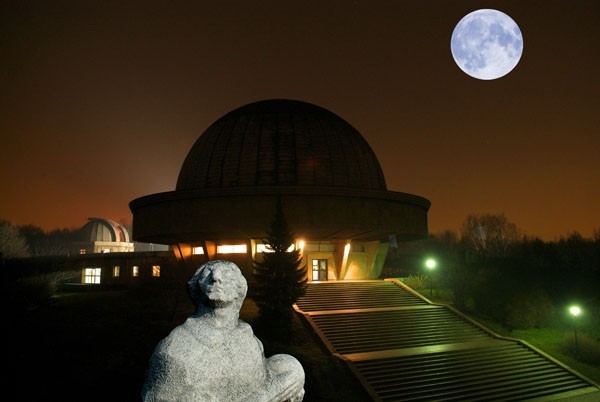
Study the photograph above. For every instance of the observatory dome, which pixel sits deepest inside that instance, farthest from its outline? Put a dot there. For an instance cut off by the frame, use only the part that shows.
(281, 143)
(323, 171)
(104, 230)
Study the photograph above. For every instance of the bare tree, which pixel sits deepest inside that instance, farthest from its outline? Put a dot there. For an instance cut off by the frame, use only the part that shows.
(489, 235)
(12, 243)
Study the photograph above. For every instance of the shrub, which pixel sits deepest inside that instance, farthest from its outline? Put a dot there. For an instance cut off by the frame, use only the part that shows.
(31, 291)
(528, 309)
(489, 294)
(416, 282)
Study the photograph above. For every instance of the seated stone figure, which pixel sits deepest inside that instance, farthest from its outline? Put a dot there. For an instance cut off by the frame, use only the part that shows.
(214, 356)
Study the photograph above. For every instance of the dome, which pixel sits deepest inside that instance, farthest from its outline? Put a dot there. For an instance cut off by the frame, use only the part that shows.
(277, 143)
(316, 164)
(104, 230)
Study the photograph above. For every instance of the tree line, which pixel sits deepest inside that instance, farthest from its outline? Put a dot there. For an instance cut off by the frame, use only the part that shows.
(32, 241)
(493, 268)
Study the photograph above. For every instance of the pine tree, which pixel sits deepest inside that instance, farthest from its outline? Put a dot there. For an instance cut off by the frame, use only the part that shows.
(279, 277)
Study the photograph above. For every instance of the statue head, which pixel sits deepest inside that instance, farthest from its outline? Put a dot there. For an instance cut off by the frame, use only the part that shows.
(218, 284)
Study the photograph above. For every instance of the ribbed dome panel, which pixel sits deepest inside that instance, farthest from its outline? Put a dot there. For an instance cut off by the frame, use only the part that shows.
(281, 143)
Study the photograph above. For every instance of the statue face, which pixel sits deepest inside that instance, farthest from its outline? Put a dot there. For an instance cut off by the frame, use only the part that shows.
(219, 283)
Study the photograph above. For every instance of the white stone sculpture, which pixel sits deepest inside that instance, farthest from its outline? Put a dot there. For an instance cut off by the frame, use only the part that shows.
(214, 356)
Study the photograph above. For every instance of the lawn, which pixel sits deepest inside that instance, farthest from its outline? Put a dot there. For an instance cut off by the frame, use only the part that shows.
(96, 345)
(550, 340)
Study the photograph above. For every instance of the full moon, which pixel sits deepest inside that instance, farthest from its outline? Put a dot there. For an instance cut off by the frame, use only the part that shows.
(486, 44)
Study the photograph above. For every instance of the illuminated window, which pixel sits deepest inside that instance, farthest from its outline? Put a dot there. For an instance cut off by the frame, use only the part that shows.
(116, 271)
(106, 250)
(265, 248)
(156, 270)
(319, 270)
(197, 250)
(231, 249)
(82, 251)
(135, 271)
(92, 276)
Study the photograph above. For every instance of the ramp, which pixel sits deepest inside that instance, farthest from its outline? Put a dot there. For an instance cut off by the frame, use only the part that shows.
(403, 348)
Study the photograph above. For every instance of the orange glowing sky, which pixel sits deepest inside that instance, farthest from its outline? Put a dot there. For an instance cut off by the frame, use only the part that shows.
(101, 101)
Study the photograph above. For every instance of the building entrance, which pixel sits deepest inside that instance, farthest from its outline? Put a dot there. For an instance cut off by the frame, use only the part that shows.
(319, 270)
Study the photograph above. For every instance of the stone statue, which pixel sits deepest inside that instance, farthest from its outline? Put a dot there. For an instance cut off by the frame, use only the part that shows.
(213, 355)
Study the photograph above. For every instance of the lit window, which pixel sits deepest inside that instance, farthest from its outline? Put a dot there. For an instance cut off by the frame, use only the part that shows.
(116, 271)
(135, 270)
(319, 270)
(231, 249)
(106, 250)
(197, 250)
(82, 251)
(156, 270)
(265, 248)
(92, 275)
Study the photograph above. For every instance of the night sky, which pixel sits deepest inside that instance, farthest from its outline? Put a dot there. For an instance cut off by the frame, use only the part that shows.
(100, 101)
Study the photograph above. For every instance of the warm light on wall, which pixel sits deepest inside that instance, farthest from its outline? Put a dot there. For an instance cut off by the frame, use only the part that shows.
(199, 250)
(345, 260)
(353, 271)
(301, 245)
(231, 249)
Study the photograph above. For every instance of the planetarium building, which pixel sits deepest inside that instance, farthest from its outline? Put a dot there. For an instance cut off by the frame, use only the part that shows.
(329, 181)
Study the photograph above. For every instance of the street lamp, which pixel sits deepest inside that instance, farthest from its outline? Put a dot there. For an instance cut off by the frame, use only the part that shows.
(575, 312)
(430, 264)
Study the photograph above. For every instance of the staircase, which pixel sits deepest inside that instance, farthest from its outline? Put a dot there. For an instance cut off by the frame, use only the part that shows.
(403, 348)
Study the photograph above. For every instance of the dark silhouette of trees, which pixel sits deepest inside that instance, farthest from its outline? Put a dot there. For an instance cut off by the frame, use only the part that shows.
(518, 281)
(55, 242)
(12, 242)
(280, 279)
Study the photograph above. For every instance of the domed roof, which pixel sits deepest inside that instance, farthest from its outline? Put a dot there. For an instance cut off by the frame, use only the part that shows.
(281, 143)
(105, 230)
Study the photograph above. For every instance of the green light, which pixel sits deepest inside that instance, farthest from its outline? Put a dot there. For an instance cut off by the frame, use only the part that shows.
(575, 311)
(430, 263)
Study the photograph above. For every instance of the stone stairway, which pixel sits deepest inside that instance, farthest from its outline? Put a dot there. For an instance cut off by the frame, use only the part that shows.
(403, 348)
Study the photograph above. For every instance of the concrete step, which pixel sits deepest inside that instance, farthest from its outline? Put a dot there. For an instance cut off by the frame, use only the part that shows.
(403, 348)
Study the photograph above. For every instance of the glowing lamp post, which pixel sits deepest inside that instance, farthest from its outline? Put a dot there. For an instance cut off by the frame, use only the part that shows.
(430, 264)
(575, 312)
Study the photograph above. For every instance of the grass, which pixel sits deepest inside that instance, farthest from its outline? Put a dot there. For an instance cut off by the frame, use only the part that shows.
(550, 340)
(96, 346)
